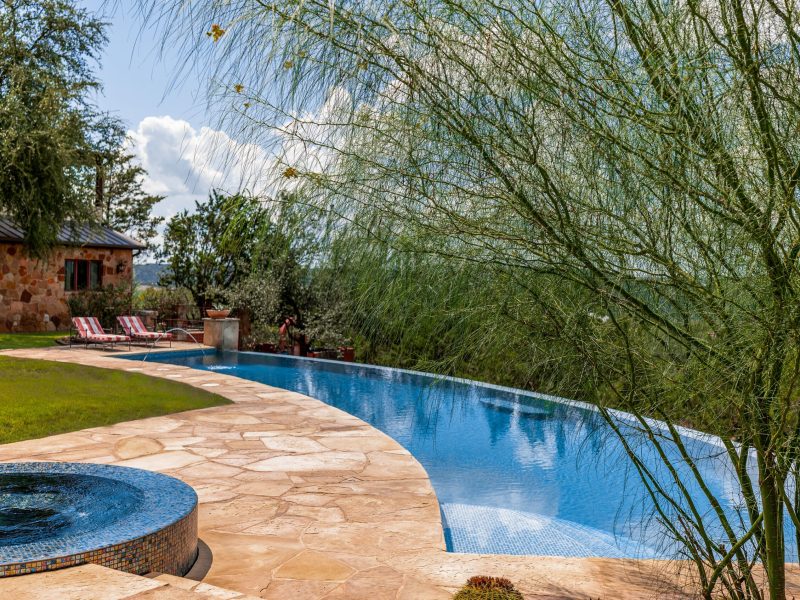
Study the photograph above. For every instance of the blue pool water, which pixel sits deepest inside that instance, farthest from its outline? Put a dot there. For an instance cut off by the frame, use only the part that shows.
(515, 473)
(42, 506)
(51, 511)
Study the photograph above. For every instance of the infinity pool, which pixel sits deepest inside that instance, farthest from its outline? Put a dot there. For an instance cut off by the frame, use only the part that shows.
(514, 472)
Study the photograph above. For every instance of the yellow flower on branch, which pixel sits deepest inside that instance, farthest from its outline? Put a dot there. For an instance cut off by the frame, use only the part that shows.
(216, 32)
(239, 88)
(290, 173)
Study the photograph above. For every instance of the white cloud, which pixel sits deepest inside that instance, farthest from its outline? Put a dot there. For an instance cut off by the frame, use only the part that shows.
(185, 164)
(307, 142)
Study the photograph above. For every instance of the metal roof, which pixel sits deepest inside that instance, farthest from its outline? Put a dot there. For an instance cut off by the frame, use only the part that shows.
(76, 235)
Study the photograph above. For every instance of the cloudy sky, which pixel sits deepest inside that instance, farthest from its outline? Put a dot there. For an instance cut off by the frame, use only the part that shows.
(164, 111)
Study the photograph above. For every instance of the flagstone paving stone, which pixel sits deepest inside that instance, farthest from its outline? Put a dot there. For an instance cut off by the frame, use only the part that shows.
(135, 447)
(300, 500)
(316, 566)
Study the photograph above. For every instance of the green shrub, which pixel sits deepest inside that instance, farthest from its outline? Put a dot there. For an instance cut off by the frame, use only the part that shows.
(106, 303)
(257, 300)
(170, 303)
(483, 587)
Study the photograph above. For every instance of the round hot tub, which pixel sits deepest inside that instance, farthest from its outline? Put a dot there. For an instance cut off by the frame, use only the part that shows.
(55, 515)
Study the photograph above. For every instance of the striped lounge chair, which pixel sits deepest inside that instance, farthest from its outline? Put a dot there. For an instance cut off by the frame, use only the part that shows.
(91, 332)
(133, 327)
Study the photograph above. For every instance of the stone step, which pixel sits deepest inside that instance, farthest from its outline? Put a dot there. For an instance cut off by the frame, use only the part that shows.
(93, 582)
(198, 589)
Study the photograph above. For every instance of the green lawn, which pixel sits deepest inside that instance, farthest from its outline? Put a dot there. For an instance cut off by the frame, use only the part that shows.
(40, 398)
(29, 340)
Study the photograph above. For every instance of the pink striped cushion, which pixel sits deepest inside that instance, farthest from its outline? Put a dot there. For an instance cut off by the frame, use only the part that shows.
(89, 328)
(80, 325)
(127, 325)
(134, 327)
(94, 326)
(107, 337)
(138, 326)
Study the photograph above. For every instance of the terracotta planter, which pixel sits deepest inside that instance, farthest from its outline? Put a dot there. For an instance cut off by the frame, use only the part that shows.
(348, 353)
(217, 314)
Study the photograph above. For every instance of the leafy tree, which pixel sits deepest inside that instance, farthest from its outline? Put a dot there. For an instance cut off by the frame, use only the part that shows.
(116, 183)
(47, 51)
(286, 279)
(211, 248)
(169, 303)
(126, 206)
(257, 300)
(640, 157)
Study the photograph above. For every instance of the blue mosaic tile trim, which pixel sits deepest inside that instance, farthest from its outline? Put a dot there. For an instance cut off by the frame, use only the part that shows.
(491, 530)
(158, 355)
(172, 550)
(161, 531)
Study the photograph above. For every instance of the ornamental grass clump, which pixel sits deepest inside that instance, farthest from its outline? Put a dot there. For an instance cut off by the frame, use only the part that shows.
(622, 176)
(488, 588)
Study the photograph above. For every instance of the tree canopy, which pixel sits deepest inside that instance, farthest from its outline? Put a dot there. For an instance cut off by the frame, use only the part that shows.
(209, 249)
(116, 182)
(48, 49)
(630, 169)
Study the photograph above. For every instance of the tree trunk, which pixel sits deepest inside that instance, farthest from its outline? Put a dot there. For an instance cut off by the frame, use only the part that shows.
(772, 508)
(99, 189)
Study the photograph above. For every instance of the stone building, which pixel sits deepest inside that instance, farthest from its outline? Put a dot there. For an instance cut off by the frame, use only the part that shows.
(33, 293)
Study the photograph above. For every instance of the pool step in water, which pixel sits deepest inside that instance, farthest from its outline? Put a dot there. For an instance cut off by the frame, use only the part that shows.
(503, 531)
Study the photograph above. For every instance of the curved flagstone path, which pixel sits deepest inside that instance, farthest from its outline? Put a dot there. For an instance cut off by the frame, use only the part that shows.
(300, 500)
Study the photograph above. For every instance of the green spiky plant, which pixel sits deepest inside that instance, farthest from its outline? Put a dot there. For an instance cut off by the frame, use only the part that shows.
(483, 587)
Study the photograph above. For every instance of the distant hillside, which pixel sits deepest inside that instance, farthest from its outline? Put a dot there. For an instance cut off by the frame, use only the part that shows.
(148, 274)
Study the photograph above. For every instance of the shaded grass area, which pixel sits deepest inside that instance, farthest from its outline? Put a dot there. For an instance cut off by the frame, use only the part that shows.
(29, 340)
(40, 398)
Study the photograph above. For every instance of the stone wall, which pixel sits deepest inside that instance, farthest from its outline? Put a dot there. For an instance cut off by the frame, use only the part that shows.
(32, 295)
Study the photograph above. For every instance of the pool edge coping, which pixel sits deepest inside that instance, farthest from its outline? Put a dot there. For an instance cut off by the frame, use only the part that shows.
(660, 425)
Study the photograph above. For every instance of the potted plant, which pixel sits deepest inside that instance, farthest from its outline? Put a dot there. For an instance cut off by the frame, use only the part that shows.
(348, 352)
(218, 312)
(267, 347)
(300, 345)
(263, 338)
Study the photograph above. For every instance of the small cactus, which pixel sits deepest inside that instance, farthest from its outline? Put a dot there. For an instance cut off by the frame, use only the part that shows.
(488, 588)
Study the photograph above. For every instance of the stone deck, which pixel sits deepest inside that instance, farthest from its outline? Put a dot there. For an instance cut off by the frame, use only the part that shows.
(93, 582)
(301, 500)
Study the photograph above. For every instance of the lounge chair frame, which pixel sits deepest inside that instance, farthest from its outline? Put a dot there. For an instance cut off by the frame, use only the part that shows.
(135, 329)
(84, 333)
